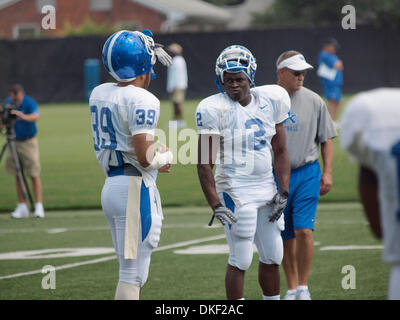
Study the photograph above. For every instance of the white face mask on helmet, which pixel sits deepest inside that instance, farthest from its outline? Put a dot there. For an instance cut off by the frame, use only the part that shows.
(235, 59)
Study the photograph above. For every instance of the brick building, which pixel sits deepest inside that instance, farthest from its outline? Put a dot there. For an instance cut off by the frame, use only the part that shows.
(24, 18)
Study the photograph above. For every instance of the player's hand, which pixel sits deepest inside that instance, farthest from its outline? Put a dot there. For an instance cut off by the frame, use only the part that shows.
(162, 55)
(163, 148)
(326, 183)
(279, 203)
(224, 215)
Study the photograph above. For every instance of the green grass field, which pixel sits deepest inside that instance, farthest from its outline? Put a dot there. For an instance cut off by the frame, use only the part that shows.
(72, 182)
(73, 179)
(180, 276)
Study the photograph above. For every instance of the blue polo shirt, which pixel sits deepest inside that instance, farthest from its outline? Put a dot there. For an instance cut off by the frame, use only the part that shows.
(330, 59)
(25, 129)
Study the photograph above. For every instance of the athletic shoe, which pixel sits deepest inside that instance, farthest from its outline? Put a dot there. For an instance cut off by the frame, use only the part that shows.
(39, 211)
(290, 295)
(303, 294)
(22, 211)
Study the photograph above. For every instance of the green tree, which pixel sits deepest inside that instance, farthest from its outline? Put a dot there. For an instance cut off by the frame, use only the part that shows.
(88, 27)
(383, 13)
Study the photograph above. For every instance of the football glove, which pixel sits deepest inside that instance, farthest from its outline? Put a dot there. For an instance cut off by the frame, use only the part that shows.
(279, 203)
(162, 55)
(223, 214)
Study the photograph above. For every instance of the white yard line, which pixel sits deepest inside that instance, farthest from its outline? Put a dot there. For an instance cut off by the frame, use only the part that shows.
(78, 264)
(105, 227)
(351, 247)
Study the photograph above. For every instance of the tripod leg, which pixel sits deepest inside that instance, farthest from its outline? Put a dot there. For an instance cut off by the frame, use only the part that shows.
(2, 150)
(20, 176)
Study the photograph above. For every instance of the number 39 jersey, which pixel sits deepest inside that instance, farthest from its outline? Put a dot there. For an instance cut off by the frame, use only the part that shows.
(244, 162)
(117, 114)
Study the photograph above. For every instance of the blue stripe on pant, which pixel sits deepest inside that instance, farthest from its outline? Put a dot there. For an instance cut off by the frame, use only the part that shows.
(145, 210)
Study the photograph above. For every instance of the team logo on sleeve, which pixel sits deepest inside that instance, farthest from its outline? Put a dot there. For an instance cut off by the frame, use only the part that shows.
(290, 123)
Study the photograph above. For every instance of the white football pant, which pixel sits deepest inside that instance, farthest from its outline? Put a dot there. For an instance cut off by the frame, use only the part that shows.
(114, 199)
(253, 226)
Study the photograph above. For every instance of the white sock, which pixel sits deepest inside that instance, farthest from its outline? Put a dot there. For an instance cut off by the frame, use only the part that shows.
(127, 291)
(241, 299)
(39, 205)
(277, 297)
(302, 288)
(291, 291)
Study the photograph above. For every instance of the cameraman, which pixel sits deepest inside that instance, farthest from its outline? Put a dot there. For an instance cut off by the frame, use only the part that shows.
(27, 114)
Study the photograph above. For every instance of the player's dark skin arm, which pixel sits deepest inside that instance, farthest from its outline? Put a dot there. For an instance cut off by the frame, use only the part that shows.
(368, 188)
(281, 157)
(207, 150)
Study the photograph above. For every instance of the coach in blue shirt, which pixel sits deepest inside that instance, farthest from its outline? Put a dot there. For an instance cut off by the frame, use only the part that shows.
(330, 71)
(27, 147)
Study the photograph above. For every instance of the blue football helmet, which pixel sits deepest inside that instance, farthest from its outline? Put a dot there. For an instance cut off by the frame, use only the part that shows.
(129, 54)
(234, 59)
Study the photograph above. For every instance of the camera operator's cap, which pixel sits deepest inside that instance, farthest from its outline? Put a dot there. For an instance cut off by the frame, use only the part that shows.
(297, 63)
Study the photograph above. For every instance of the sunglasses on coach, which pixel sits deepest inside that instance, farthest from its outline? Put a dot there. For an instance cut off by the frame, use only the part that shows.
(297, 73)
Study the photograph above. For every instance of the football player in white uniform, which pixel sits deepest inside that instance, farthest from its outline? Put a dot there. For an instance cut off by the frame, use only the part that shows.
(241, 131)
(371, 134)
(124, 116)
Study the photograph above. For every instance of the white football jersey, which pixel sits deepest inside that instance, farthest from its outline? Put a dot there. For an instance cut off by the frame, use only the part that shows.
(371, 134)
(244, 162)
(117, 114)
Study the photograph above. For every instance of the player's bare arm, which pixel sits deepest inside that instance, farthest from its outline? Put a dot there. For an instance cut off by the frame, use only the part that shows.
(207, 151)
(327, 151)
(282, 172)
(281, 157)
(147, 154)
(368, 188)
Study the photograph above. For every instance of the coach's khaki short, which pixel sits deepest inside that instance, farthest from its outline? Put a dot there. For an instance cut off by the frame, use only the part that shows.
(28, 153)
(178, 95)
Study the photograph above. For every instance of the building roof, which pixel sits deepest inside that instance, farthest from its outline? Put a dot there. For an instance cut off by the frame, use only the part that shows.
(6, 3)
(178, 10)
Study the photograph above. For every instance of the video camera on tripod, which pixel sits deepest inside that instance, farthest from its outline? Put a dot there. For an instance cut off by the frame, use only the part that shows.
(7, 119)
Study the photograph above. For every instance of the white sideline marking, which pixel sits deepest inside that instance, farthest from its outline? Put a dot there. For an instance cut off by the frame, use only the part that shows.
(65, 266)
(351, 247)
(78, 264)
(97, 228)
(57, 230)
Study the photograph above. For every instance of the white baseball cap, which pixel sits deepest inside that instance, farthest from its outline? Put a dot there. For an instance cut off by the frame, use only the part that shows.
(297, 63)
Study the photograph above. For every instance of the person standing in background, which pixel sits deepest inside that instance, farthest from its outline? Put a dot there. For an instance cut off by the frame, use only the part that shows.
(177, 82)
(27, 145)
(308, 127)
(330, 72)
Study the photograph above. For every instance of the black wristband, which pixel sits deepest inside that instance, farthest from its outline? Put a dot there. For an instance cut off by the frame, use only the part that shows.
(283, 193)
(217, 206)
